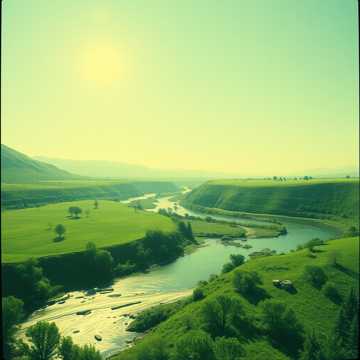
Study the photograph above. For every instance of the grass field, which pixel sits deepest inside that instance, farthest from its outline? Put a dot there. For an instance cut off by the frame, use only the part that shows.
(201, 227)
(318, 198)
(27, 233)
(312, 307)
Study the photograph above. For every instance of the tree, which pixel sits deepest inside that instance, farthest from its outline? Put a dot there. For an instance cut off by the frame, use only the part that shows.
(194, 345)
(104, 265)
(245, 282)
(68, 350)
(87, 212)
(96, 204)
(77, 211)
(312, 348)
(152, 349)
(88, 352)
(44, 338)
(228, 349)
(31, 286)
(190, 233)
(198, 294)
(316, 275)
(12, 314)
(282, 325)
(227, 268)
(330, 290)
(237, 259)
(218, 314)
(60, 231)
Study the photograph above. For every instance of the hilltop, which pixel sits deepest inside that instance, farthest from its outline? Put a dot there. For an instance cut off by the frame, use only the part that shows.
(17, 167)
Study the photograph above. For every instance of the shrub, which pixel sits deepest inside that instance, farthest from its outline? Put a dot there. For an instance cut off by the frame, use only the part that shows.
(330, 290)
(282, 324)
(245, 282)
(198, 294)
(237, 259)
(195, 345)
(316, 275)
(227, 268)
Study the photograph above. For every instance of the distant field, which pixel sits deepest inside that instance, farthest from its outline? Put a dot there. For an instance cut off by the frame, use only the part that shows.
(17, 196)
(317, 198)
(26, 232)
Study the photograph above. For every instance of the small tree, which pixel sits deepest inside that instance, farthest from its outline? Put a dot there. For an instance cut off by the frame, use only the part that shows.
(96, 204)
(77, 211)
(195, 344)
(60, 231)
(198, 294)
(44, 338)
(228, 349)
(312, 348)
(316, 275)
(12, 313)
(330, 290)
(87, 212)
(237, 259)
(245, 282)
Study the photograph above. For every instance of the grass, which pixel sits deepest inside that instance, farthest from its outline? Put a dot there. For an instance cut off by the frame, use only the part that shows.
(312, 307)
(203, 227)
(26, 232)
(327, 199)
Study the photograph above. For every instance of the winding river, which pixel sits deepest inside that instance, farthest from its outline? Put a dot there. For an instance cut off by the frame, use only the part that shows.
(163, 284)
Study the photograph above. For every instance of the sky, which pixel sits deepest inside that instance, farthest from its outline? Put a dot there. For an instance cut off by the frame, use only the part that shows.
(248, 86)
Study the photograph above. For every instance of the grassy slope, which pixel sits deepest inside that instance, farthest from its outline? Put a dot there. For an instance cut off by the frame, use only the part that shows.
(201, 227)
(324, 199)
(25, 232)
(17, 167)
(313, 309)
(27, 195)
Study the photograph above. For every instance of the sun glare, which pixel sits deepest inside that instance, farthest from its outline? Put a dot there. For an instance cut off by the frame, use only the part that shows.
(100, 64)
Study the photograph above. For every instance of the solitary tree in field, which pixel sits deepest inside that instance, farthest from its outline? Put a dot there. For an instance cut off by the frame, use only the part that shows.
(60, 231)
(77, 211)
(96, 204)
(87, 212)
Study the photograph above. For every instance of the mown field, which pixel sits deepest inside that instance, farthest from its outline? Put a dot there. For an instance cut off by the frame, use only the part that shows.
(317, 198)
(30, 232)
(312, 307)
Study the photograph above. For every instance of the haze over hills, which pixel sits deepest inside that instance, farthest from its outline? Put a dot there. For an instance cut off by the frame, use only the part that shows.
(111, 169)
(19, 168)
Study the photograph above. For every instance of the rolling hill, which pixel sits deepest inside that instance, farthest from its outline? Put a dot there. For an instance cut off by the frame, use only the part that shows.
(317, 198)
(19, 168)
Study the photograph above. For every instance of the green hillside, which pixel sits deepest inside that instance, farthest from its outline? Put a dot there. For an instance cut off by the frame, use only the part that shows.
(19, 168)
(30, 232)
(15, 196)
(317, 198)
(313, 309)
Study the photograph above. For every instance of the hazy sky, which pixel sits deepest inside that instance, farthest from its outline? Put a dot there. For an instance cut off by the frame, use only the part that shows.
(254, 86)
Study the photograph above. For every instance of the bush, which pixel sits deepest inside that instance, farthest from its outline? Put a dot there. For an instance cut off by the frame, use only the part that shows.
(195, 345)
(227, 268)
(198, 294)
(245, 282)
(316, 275)
(282, 325)
(237, 259)
(330, 290)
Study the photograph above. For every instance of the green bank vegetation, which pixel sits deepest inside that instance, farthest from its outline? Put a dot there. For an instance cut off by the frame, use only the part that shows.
(240, 314)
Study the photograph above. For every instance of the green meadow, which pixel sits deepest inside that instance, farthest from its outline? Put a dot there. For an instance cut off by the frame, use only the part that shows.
(30, 232)
(313, 308)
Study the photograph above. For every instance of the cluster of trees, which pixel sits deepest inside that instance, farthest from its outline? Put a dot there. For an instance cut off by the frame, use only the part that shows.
(45, 342)
(31, 286)
(74, 212)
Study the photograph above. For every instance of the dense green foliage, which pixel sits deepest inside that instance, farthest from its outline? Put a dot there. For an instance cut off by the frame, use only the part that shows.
(279, 324)
(12, 314)
(28, 232)
(311, 198)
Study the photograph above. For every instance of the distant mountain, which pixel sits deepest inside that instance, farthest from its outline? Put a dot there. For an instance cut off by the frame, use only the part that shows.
(16, 167)
(109, 169)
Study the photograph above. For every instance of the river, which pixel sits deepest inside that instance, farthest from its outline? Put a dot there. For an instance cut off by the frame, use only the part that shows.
(163, 284)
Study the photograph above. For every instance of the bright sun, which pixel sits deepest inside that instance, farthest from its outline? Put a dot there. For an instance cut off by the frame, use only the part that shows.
(100, 64)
